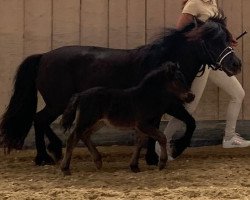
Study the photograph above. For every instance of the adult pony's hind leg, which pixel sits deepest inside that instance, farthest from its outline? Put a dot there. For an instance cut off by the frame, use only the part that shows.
(42, 121)
(55, 144)
(151, 157)
(178, 146)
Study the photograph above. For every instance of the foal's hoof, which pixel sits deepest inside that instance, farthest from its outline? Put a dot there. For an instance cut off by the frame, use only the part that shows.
(44, 160)
(98, 164)
(152, 158)
(66, 172)
(56, 150)
(135, 168)
(162, 165)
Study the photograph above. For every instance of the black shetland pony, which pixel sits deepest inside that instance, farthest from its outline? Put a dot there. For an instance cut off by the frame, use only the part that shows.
(129, 108)
(60, 73)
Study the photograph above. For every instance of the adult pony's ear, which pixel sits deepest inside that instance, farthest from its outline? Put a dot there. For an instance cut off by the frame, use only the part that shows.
(192, 31)
(219, 18)
(188, 27)
(204, 29)
(195, 34)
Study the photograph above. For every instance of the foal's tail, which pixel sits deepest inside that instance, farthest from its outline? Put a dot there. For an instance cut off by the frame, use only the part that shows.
(70, 113)
(18, 118)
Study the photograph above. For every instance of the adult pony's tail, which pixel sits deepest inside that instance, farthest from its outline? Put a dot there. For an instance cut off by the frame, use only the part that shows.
(18, 118)
(69, 114)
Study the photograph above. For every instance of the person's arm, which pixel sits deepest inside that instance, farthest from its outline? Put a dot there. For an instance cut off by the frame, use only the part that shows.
(184, 20)
(234, 42)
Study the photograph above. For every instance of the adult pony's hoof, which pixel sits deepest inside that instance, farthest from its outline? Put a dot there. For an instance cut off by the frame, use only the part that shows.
(162, 165)
(135, 168)
(56, 150)
(44, 160)
(179, 146)
(152, 158)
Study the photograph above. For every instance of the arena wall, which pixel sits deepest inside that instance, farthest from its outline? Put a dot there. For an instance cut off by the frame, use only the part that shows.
(35, 26)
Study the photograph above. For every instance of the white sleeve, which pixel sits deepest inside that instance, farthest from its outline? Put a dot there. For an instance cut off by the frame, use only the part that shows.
(192, 7)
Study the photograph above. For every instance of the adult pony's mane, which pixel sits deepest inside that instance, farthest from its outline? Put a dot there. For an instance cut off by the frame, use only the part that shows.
(210, 27)
(154, 54)
(219, 18)
(171, 37)
(168, 44)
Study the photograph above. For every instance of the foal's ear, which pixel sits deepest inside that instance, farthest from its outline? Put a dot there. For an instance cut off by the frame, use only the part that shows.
(170, 68)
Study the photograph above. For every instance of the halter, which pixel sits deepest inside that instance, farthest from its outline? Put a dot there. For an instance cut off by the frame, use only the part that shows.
(227, 51)
(216, 63)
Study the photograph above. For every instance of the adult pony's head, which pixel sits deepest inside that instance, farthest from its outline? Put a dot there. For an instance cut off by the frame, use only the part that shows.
(215, 44)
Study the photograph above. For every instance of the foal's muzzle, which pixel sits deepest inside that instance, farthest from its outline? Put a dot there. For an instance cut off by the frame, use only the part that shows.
(188, 97)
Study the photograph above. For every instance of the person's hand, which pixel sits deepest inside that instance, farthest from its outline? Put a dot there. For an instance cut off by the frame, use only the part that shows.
(234, 42)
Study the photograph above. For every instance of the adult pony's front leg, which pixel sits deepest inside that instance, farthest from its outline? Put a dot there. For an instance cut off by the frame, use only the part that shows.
(178, 146)
(151, 157)
(160, 137)
(55, 144)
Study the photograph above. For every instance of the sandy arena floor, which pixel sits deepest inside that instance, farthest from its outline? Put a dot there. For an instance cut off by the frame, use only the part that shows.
(200, 173)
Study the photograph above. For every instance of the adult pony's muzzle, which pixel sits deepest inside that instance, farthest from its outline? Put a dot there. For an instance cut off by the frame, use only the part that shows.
(232, 66)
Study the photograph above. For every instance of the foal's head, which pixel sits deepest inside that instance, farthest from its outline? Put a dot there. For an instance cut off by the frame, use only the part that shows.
(215, 41)
(176, 83)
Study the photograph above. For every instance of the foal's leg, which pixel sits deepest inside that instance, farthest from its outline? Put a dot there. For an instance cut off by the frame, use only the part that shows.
(70, 144)
(135, 157)
(151, 157)
(41, 122)
(160, 137)
(179, 145)
(91, 147)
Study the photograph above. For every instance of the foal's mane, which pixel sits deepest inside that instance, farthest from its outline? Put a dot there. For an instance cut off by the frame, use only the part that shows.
(158, 76)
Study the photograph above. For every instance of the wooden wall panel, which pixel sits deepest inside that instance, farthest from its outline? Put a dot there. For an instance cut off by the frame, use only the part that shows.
(94, 22)
(118, 24)
(35, 26)
(66, 23)
(154, 18)
(37, 30)
(11, 46)
(172, 12)
(136, 35)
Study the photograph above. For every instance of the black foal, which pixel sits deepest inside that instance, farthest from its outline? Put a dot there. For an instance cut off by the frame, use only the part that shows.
(129, 108)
